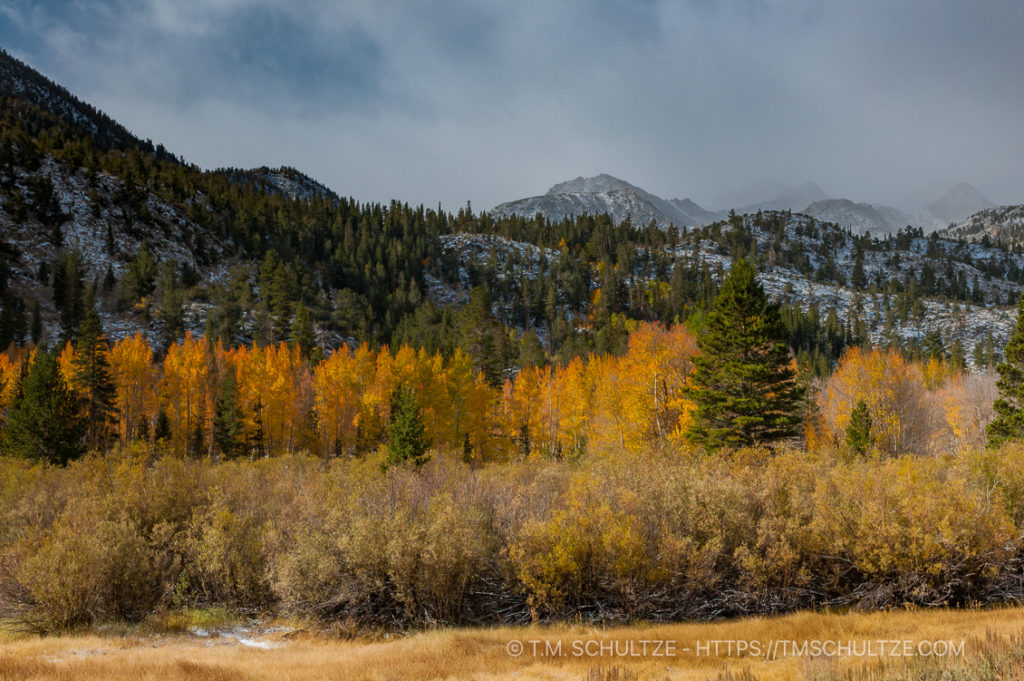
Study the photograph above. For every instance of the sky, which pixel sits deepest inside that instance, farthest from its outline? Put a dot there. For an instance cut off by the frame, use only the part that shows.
(488, 101)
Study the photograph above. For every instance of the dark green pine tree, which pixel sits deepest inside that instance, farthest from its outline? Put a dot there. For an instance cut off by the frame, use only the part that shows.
(407, 440)
(744, 385)
(957, 356)
(43, 423)
(302, 333)
(228, 435)
(93, 381)
(162, 430)
(69, 292)
(36, 329)
(858, 433)
(1009, 406)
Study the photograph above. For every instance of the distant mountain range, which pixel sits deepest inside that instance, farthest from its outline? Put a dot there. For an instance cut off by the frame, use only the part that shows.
(620, 199)
(770, 196)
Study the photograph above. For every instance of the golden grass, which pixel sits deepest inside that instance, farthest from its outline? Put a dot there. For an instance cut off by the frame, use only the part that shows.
(480, 654)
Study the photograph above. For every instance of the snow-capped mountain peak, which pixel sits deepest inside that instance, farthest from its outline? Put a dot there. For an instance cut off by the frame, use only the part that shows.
(958, 204)
(590, 185)
(606, 194)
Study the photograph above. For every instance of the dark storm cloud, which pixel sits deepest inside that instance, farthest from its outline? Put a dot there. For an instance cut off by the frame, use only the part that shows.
(489, 101)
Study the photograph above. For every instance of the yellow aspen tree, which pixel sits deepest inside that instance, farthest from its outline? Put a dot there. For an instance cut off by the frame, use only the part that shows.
(576, 388)
(376, 380)
(134, 376)
(185, 394)
(10, 376)
(893, 390)
(622, 406)
(66, 367)
(336, 403)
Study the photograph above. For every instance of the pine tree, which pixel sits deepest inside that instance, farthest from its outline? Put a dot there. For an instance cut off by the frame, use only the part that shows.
(93, 381)
(37, 322)
(68, 292)
(957, 356)
(227, 418)
(43, 423)
(302, 332)
(407, 440)
(172, 311)
(858, 433)
(162, 431)
(744, 385)
(1009, 406)
(979, 356)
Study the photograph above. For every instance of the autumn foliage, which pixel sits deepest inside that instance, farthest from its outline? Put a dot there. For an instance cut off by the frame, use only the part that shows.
(660, 537)
(341, 405)
(592, 503)
(928, 408)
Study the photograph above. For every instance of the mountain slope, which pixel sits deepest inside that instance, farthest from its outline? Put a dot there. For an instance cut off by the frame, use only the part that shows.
(1000, 225)
(19, 81)
(238, 254)
(696, 214)
(285, 181)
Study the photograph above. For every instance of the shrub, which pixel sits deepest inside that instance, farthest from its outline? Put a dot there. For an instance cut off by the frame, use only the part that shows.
(655, 537)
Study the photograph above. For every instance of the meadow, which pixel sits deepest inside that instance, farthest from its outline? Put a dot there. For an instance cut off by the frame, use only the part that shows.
(990, 640)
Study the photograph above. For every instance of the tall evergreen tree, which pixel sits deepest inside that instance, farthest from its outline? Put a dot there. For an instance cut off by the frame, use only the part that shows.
(69, 292)
(858, 432)
(93, 381)
(43, 423)
(37, 322)
(1009, 406)
(302, 332)
(407, 439)
(744, 385)
(228, 436)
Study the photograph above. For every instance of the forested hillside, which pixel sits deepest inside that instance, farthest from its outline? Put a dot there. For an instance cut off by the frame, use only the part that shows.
(89, 212)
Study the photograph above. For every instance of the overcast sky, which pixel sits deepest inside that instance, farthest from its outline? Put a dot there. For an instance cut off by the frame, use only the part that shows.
(890, 101)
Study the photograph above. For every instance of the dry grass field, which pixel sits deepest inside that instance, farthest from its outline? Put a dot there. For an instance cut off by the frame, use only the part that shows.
(483, 654)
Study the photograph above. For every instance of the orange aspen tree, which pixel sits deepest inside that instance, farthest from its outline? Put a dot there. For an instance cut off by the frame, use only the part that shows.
(185, 394)
(522, 408)
(289, 399)
(10, 376)
(134, 376)
(336, 403)
(253, 386)
(66, 366)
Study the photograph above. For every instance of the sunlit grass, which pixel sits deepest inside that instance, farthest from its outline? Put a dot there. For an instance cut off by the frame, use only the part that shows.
(992, 635)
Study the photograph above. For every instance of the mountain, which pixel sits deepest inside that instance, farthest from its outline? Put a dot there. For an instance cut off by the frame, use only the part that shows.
(18, 81)
(1000, 225)
(606, 194)
(958, 204)
(695, 213)
(166, 248)
(860, 217)
(952, 207)
(769, 196)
